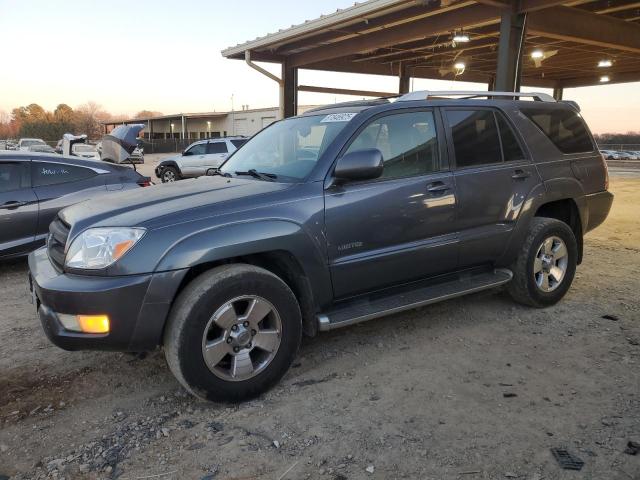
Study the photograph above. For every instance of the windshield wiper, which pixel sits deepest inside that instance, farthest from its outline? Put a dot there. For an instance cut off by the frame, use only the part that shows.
(268, 177)
(213, 172)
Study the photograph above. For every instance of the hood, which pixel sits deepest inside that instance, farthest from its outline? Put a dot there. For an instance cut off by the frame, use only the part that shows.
(121, 142)
(168, 203)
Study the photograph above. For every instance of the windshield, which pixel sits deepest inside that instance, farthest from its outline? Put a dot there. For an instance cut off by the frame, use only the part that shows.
(287, 150)
(84, 148)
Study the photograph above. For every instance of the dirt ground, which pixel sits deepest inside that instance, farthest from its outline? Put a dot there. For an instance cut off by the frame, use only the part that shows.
(475, 388)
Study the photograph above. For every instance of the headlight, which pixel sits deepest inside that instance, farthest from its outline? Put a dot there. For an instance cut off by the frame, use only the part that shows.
(97, 248)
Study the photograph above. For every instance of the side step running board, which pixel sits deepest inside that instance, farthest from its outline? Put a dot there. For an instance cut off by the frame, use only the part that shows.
(408, 297)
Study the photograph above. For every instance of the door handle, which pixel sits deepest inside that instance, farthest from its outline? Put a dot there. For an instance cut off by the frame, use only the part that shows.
(12, 205)
(437, 187)
(520, 175)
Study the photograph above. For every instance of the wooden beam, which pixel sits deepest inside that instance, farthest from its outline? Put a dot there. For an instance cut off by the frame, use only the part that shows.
(575, 25)
(595, 80)
(535, 5)
(345, 91)
(469, 17)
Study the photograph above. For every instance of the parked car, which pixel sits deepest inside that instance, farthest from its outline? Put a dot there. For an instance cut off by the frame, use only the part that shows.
(35, 186)
(84, 150)
(197, 158)
(11, 145)
(629, 155)
(41, 148)
(341, 215)
(25, 143)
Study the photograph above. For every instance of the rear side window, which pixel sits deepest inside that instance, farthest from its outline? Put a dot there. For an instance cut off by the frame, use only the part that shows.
(217, 147)
(564, 127)
(475, 137)
(510, 146)
(44, 173)
(13, 176)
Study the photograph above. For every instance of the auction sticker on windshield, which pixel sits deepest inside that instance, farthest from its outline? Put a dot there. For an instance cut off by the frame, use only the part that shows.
(338, 117)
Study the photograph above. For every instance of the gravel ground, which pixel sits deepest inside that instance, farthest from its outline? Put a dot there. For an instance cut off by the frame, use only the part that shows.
(475, 388)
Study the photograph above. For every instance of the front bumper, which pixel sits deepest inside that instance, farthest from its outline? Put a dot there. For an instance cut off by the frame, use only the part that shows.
(599, 205)
(137, 305)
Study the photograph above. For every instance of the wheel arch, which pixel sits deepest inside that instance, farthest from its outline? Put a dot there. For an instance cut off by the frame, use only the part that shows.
(280, 247)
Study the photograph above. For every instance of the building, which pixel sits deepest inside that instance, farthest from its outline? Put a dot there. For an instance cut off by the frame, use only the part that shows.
(192, 126)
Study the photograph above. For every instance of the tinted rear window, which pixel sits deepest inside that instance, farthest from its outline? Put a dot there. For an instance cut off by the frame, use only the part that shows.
(44, 173)
(475, 137)
(565, 128)
(238, 143)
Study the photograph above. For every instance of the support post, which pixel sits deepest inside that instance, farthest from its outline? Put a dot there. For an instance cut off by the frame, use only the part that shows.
(557, 93)
(289, 90)
(184, 128)
(405, 80)
(512, 36)
(491, 85)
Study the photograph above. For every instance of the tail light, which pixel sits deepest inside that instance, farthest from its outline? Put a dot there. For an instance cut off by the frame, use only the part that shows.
(145, 182)
(606, 171)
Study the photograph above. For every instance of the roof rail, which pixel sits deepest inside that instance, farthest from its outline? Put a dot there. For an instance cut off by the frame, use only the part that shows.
(427, 94)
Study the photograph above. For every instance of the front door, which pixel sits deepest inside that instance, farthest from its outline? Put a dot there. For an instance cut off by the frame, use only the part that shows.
(400, 227)
(493, 178)
(18, 208)
(192, 163)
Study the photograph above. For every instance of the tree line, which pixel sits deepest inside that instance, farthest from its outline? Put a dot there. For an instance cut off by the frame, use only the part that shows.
(629, 138)
(36, 122)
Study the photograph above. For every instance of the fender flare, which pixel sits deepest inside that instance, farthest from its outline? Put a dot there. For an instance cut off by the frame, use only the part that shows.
(245, 238)
(546, 192)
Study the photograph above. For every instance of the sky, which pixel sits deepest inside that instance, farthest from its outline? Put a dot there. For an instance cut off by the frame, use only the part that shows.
(132, 55)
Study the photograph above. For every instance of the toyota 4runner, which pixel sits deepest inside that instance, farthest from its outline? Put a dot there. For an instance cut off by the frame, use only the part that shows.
(344, 214)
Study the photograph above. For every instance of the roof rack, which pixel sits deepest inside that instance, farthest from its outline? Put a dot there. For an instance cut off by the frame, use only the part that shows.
(468, 94)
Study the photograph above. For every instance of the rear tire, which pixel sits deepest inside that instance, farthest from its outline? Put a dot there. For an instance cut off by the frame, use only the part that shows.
(232, 333)
(169, 175)
(546, 264)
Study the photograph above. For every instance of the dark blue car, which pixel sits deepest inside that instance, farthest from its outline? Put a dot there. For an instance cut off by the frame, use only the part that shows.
(35, 186)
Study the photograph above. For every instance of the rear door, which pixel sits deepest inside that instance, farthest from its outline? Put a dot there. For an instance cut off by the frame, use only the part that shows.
(399, 227)
(217, 152)
(58, 185)
(18, 208)
(493, 176)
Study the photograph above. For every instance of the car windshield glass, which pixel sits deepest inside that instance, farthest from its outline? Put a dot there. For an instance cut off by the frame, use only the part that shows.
(287, 150)
(84, 148)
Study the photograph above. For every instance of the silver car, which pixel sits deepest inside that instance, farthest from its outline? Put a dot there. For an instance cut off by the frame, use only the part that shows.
(198, 158)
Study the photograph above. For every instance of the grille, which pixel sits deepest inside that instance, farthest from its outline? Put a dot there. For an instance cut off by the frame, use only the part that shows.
(58, 233)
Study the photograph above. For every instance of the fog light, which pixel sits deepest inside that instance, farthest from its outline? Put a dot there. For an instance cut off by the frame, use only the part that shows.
(93, 323)
(69, 322)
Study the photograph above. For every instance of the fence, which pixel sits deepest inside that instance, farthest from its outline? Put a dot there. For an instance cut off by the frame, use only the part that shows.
(634, 147)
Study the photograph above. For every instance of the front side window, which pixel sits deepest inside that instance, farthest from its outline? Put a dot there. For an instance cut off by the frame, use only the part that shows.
(288, 149)
(407, 141)
(12, 177)
(564, 127)
(198, 149)
(475, 137)
(44, 173)
(217, 147)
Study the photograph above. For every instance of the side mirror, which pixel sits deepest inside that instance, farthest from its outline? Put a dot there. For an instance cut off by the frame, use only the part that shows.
(365, 164)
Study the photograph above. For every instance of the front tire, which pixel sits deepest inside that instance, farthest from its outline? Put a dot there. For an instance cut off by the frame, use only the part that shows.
(232, 333)
(546, 264)
(169, 175)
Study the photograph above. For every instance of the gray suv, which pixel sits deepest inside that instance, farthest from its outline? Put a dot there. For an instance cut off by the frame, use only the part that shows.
(341, 215)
